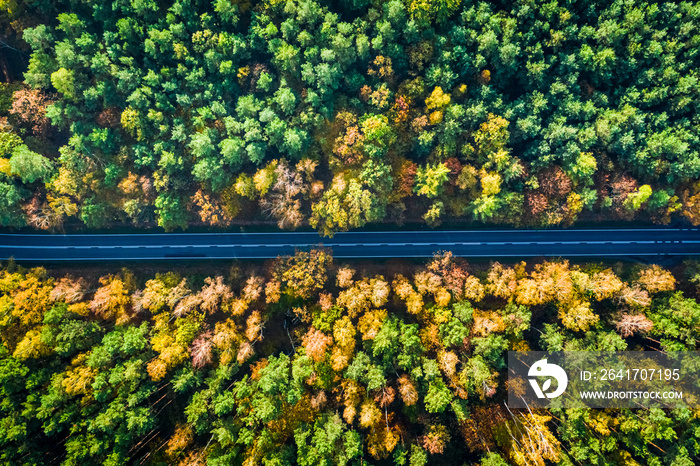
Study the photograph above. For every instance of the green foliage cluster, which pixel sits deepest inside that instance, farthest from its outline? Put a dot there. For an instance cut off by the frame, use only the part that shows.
(361, 370)
(512, 113)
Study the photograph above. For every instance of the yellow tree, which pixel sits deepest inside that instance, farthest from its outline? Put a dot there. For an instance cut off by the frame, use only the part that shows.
(604, 285)
(528, 439)
(112, 300)
(357, 298)
(171, 340)
(407, 390)
(344, 336)
(655, 279)
(79, 378)
(32, 298)
(31, 346)
(502, 281)
(577, 315)
(344, 277)
(305, 272)
(370, 323)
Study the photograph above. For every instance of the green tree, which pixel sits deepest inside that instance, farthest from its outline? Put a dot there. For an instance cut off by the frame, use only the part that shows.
(328, 442)
(430, 179)
(10, 212)
(30, 166)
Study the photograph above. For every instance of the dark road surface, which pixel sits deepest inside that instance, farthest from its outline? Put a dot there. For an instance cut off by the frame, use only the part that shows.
(513, 243)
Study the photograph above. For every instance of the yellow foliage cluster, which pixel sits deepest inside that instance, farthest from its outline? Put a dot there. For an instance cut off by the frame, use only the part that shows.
(5, 167)
(112, 301)
(501, 281)
(32, 300)
(170, 352)
(364, 294)
(656, 280)
(31, 346)
(344, 336)
(370, 323)
(530, 441)
(79, 379)
(486, 322)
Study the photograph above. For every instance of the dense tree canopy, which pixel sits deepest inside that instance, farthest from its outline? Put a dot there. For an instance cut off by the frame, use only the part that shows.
(263, 367)
(342, 113)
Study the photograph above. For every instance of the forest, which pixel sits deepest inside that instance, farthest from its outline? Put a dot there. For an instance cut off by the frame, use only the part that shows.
(337, 114)
(306, 360)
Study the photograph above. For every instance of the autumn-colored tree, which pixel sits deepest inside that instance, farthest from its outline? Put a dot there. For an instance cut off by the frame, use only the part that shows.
(529, 440)
(604, 285)
(554, 183)
(171, 341)
(29, 107)
(550, 281)
(69, 290)
(41, 215)
(691, 208)
(473, 289)
(655, 279)
(214, 293)
(272, 291)
(487, 322)
(621, 187)
(254, 327)
(201, 350)
(454, 277)
(480, 429)
(305, 272)
(79, 379)
(577, 315)
(253, 288)
(536, 204)
(210, 212)
(180, 440)
(284, 200)
(348, 146)
(631, 324)
(435, 439)
(344, 277)
(31, 346)
(381, 441)
(501, 281)
(344, 349)
(226, 338)
(325, 300)
(634, 296)
(154, 297)
(32, 299)
(187, 304)
(316, 344)
(112, 301)
(427, 282)
(370, 323)
(355, 299)
(381, 67)
(405, 180)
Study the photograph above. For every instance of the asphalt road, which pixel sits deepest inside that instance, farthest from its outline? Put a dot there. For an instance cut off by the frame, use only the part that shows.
(652, 242)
